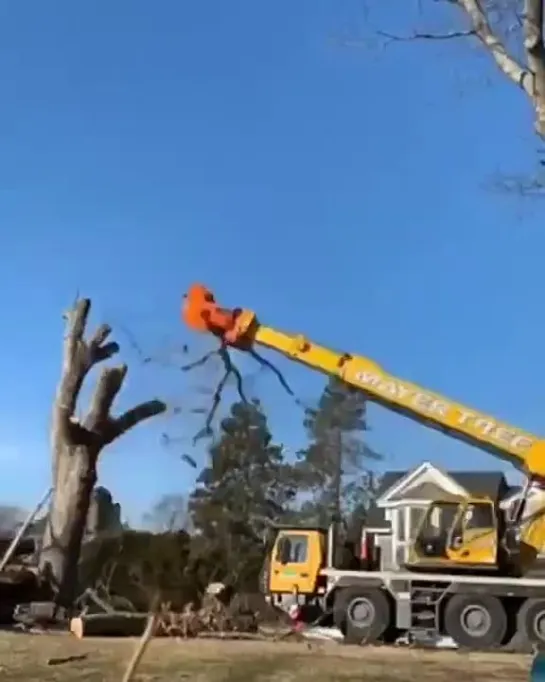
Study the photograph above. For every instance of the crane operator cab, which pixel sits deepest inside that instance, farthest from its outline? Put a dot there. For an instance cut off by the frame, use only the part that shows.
(296, 556)
(457, 535)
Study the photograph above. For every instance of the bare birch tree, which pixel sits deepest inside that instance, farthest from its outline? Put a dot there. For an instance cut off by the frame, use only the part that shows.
(511, 31)
(76, 444)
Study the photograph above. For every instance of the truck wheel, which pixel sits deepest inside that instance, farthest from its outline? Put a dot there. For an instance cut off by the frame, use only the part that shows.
(362, 615)
(476, 621)
(531, 621)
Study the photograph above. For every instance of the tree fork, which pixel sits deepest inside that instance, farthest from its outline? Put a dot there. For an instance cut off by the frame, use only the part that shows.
(76, 444)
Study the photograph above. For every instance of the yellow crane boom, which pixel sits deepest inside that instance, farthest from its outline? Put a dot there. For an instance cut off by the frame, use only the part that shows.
(240, 328)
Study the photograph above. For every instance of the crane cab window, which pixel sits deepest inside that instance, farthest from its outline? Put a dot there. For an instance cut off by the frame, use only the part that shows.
(292, 549)
(479, 516)
(439, 518)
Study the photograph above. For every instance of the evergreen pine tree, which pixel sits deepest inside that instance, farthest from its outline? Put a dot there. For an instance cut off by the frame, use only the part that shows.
(243, 490)
(335, 466)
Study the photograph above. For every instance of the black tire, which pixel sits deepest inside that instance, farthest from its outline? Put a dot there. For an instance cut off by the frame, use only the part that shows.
(476, 621)
(531, 621)
(361, 614)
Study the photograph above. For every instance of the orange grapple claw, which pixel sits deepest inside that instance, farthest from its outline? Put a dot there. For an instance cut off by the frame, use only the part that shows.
(233, 326)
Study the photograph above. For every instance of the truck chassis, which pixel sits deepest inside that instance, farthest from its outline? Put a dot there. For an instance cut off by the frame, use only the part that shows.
(477, 612)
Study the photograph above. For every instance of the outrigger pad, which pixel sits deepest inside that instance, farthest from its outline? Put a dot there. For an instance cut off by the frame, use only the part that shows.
(537, 671)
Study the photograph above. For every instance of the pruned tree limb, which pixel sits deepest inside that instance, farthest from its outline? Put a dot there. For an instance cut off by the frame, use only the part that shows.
(79, 357)
(108, 386)
(134, 416)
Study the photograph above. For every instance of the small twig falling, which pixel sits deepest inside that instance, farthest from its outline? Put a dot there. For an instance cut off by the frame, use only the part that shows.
(200, 361)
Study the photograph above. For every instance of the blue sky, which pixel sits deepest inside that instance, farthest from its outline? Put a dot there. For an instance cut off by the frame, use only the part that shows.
(341, 191)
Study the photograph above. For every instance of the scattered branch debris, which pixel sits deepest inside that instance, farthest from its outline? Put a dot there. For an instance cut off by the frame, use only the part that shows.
(67, 659)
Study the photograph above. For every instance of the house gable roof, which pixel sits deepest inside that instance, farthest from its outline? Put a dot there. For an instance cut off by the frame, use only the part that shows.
(392, 483)
(487, 483)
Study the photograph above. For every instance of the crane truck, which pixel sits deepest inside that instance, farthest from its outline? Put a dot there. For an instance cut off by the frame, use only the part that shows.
(468, 575)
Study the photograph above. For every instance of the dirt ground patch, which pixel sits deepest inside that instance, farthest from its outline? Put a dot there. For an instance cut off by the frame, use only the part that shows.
(25, 657)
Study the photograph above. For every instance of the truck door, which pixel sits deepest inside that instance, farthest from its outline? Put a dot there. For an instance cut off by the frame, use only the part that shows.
(295, 562)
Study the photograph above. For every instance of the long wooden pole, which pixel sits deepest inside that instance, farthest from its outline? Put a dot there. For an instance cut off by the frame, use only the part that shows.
(23, 529)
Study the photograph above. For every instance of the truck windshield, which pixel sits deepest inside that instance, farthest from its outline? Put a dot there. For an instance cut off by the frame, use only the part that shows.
(292, 549)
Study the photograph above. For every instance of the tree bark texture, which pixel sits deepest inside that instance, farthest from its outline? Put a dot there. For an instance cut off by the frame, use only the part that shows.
(527, 71)
(529, 74)
(76, 445)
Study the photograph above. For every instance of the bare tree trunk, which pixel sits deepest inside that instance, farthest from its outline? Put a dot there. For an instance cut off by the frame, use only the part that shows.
(76, 446)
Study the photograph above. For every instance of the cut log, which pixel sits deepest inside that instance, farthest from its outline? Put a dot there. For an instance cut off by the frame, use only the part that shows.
(120, 624)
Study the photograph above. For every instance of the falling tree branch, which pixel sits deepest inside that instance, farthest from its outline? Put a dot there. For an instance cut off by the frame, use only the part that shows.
(269, 365)
(230, 370)
(200, 362)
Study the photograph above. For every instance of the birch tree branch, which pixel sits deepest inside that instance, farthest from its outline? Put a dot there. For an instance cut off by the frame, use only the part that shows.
(483, 30)
(418, 35)
(535, 55)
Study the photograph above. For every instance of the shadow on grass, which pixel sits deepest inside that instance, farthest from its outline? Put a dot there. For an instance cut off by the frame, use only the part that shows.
(255, 670)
